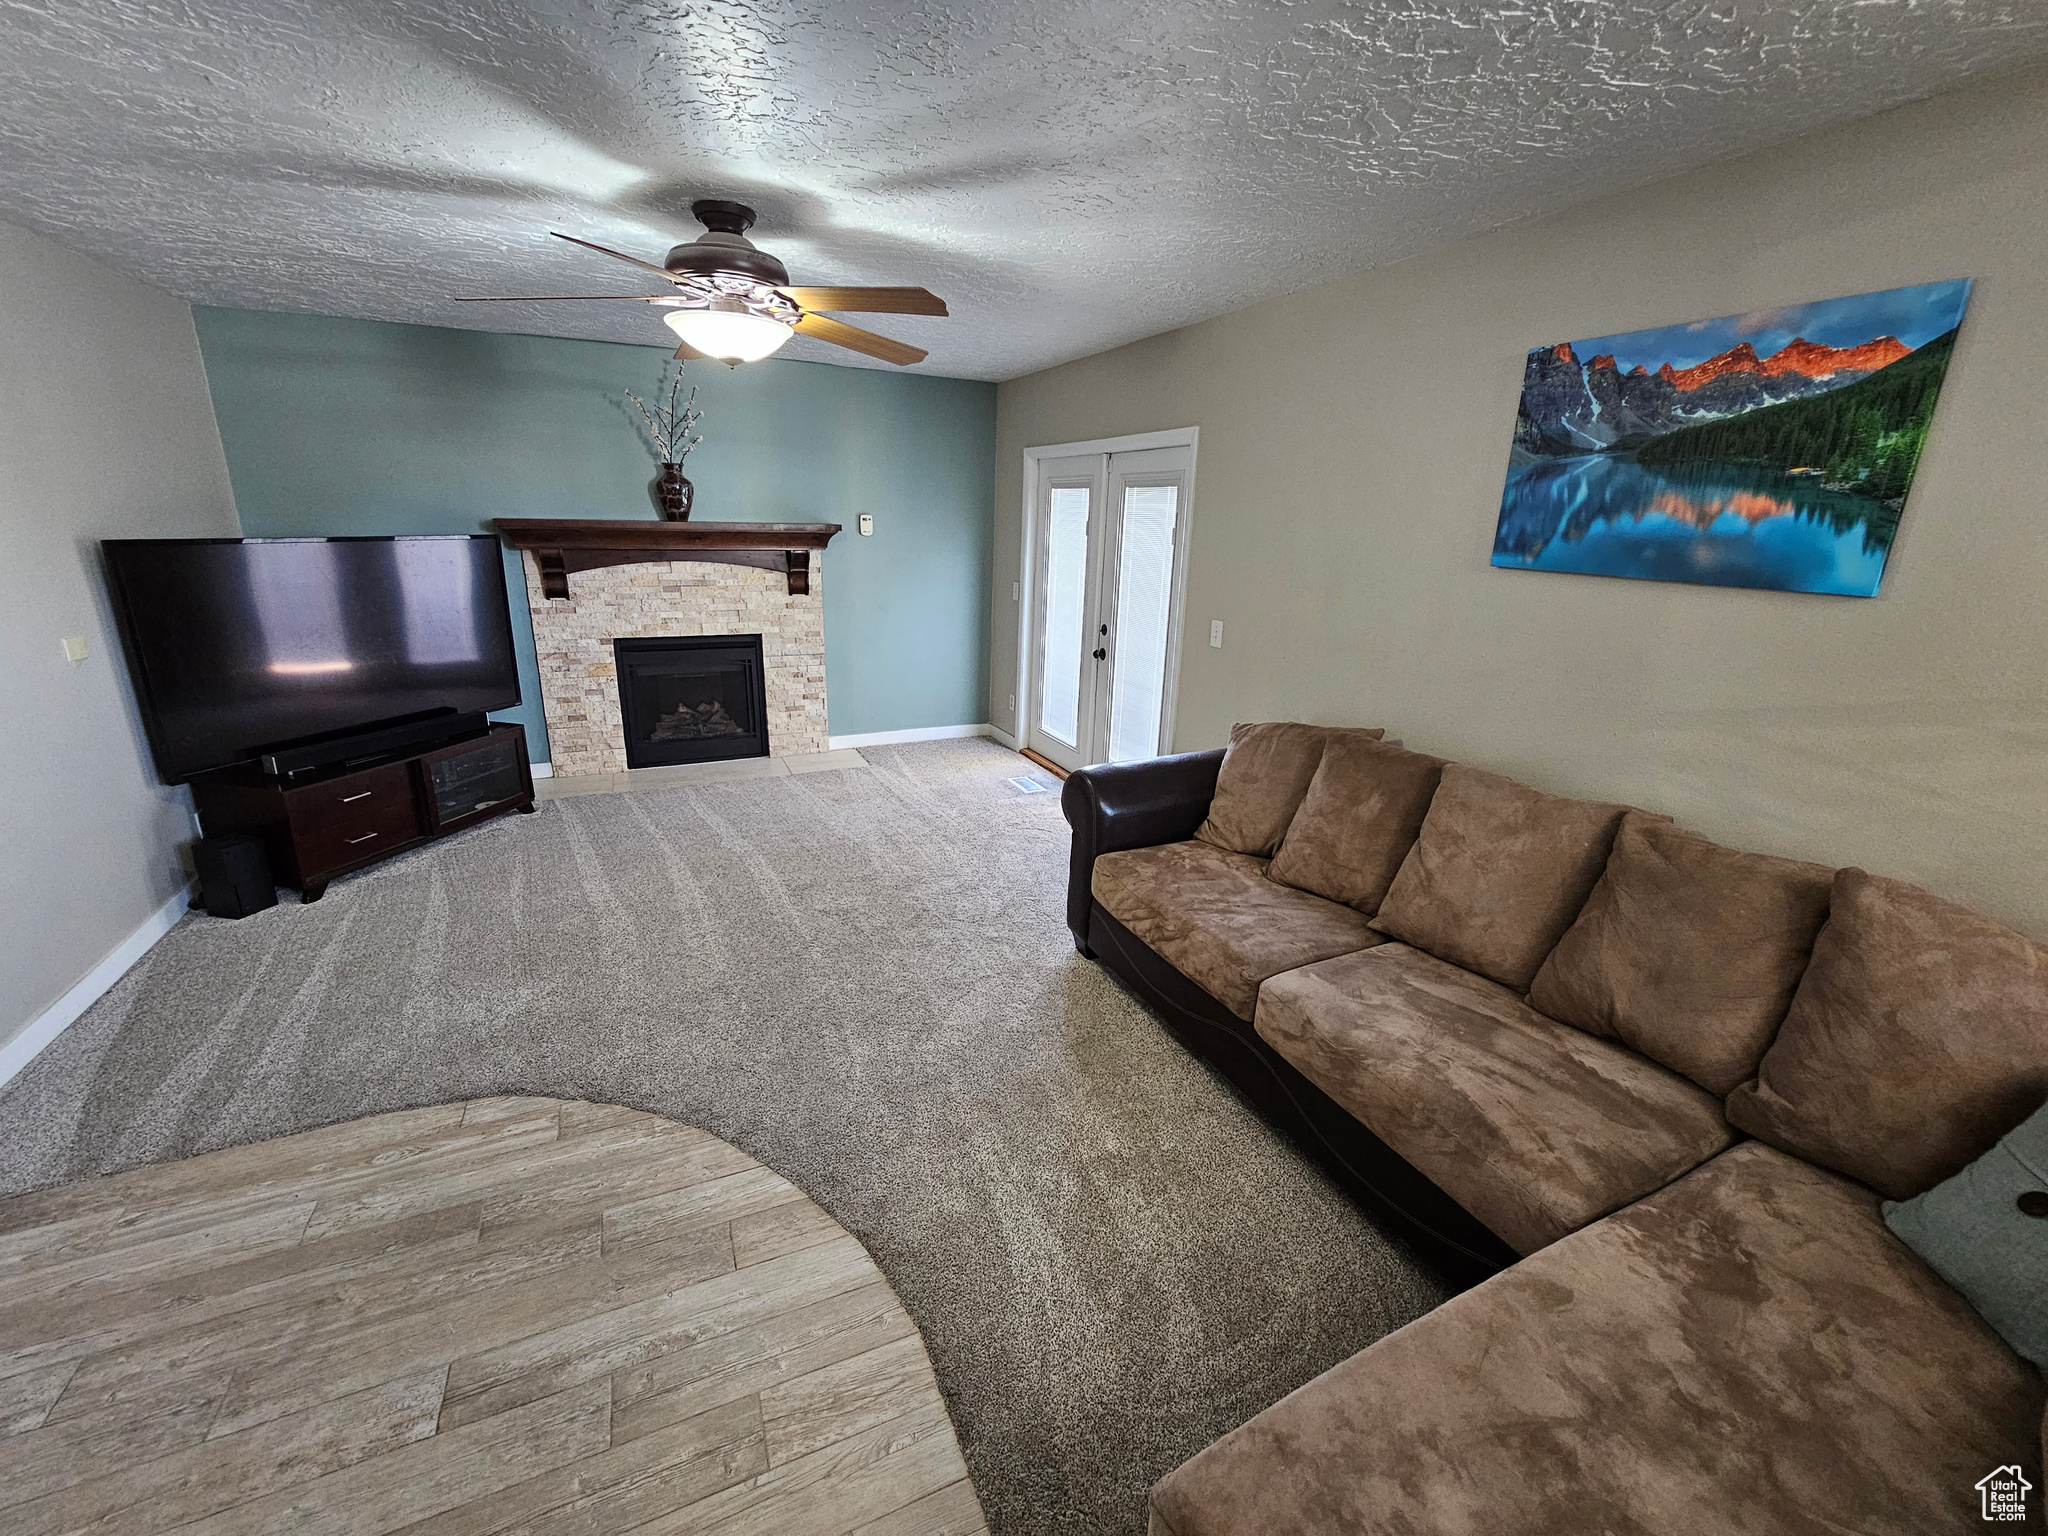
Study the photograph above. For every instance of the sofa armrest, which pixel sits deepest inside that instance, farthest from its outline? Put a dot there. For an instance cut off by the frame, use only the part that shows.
(1131, 805)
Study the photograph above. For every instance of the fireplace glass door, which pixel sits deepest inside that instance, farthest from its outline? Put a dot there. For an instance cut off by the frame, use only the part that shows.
(695, 699)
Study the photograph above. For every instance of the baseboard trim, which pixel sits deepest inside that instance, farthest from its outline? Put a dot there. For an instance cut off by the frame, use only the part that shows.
(62, 1014)
(1014, 743)
(541, 770)
(919, 733)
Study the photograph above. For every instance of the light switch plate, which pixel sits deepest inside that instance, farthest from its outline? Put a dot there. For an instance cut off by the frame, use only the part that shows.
(867, 525)
(1216, 633)
(74, 649)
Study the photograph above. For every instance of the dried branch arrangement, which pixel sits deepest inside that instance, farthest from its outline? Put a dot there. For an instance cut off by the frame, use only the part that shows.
(672, 419)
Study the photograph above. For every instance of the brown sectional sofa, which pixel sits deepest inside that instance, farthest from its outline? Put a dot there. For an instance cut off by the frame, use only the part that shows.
(1646, 1091)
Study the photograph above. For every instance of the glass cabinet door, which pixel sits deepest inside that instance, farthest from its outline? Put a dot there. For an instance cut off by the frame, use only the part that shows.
(475, 779)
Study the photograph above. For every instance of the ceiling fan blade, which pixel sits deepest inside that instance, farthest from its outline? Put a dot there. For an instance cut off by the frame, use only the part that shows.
(608, 251)
(854, 339)
(871, 301)
(554, 298)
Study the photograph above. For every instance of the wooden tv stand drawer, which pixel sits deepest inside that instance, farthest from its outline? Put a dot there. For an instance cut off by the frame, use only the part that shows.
(340, 823)
(342, 820)
(356, 800)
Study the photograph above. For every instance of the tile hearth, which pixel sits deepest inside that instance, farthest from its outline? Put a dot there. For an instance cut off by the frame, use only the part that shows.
(684, 774)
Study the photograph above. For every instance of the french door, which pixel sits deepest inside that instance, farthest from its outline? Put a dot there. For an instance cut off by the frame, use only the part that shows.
(1108, 534)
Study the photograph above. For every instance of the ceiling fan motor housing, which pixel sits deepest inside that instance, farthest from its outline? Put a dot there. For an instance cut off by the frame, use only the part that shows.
(724, 249)
(714, 254)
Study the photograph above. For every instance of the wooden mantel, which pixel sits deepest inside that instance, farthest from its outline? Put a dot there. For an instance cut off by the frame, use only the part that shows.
(562, 545)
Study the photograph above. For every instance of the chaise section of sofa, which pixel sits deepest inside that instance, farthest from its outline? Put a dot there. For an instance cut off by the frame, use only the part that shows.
(1747, 1352)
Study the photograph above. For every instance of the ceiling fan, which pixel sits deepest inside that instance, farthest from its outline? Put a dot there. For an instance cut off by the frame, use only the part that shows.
(735, 303)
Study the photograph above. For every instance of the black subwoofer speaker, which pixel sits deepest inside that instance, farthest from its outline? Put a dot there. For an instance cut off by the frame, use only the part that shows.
(234, 875)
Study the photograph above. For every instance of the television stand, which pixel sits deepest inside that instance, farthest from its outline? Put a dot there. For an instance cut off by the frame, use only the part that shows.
(295, 763)
(319, 825)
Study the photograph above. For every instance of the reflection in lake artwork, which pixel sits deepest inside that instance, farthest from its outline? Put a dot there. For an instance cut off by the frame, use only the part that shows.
(1772, 449)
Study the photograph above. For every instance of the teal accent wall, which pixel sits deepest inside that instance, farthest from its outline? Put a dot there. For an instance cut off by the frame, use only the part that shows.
(359, 427)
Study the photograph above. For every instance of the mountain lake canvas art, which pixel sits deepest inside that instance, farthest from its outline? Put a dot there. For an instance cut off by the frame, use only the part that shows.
(1772, 449)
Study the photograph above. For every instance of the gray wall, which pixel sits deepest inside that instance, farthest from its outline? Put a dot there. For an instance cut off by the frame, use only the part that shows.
(1354, 439)
(105, 432)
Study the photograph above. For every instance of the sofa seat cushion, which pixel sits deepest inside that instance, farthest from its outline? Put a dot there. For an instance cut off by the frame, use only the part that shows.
(1917, 1038)
(1687, 951)
(1534, 1127)
(1215, 917)
(1266, 770)
(1748, 1351)
(1497, 874)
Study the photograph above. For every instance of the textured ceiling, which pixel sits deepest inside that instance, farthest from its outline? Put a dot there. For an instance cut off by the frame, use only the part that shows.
(1068, 175)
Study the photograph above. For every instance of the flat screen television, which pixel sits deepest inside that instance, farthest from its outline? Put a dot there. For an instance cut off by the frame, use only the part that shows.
(243, 647)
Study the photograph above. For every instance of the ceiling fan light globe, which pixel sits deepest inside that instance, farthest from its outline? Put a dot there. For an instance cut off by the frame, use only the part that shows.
(728, 331)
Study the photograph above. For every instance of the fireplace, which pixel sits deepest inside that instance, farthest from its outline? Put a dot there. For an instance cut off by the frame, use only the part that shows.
(695, 699)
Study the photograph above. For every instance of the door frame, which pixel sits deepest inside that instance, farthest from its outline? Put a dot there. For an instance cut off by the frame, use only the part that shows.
(1028, 561)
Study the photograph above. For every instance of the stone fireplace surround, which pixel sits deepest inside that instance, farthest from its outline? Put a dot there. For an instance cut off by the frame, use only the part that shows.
(697, 592)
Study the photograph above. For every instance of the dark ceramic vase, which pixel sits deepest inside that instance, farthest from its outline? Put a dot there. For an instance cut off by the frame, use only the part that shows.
(675, 492)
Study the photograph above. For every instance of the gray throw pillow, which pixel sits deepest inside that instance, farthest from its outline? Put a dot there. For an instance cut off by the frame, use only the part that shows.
(1985, 1231)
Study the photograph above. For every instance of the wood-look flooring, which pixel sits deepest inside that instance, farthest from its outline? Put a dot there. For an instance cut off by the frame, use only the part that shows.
(512, 1315)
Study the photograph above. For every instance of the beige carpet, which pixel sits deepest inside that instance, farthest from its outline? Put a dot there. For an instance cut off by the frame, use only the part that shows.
(862, 979)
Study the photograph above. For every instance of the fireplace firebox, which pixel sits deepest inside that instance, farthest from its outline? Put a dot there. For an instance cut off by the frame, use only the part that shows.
(695, 699)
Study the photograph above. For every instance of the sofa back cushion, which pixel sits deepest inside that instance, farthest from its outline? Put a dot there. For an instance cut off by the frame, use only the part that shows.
(1918, 1037)
(1686, 950)
(1497, 874)
(1360, 817)
(1266, 771)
